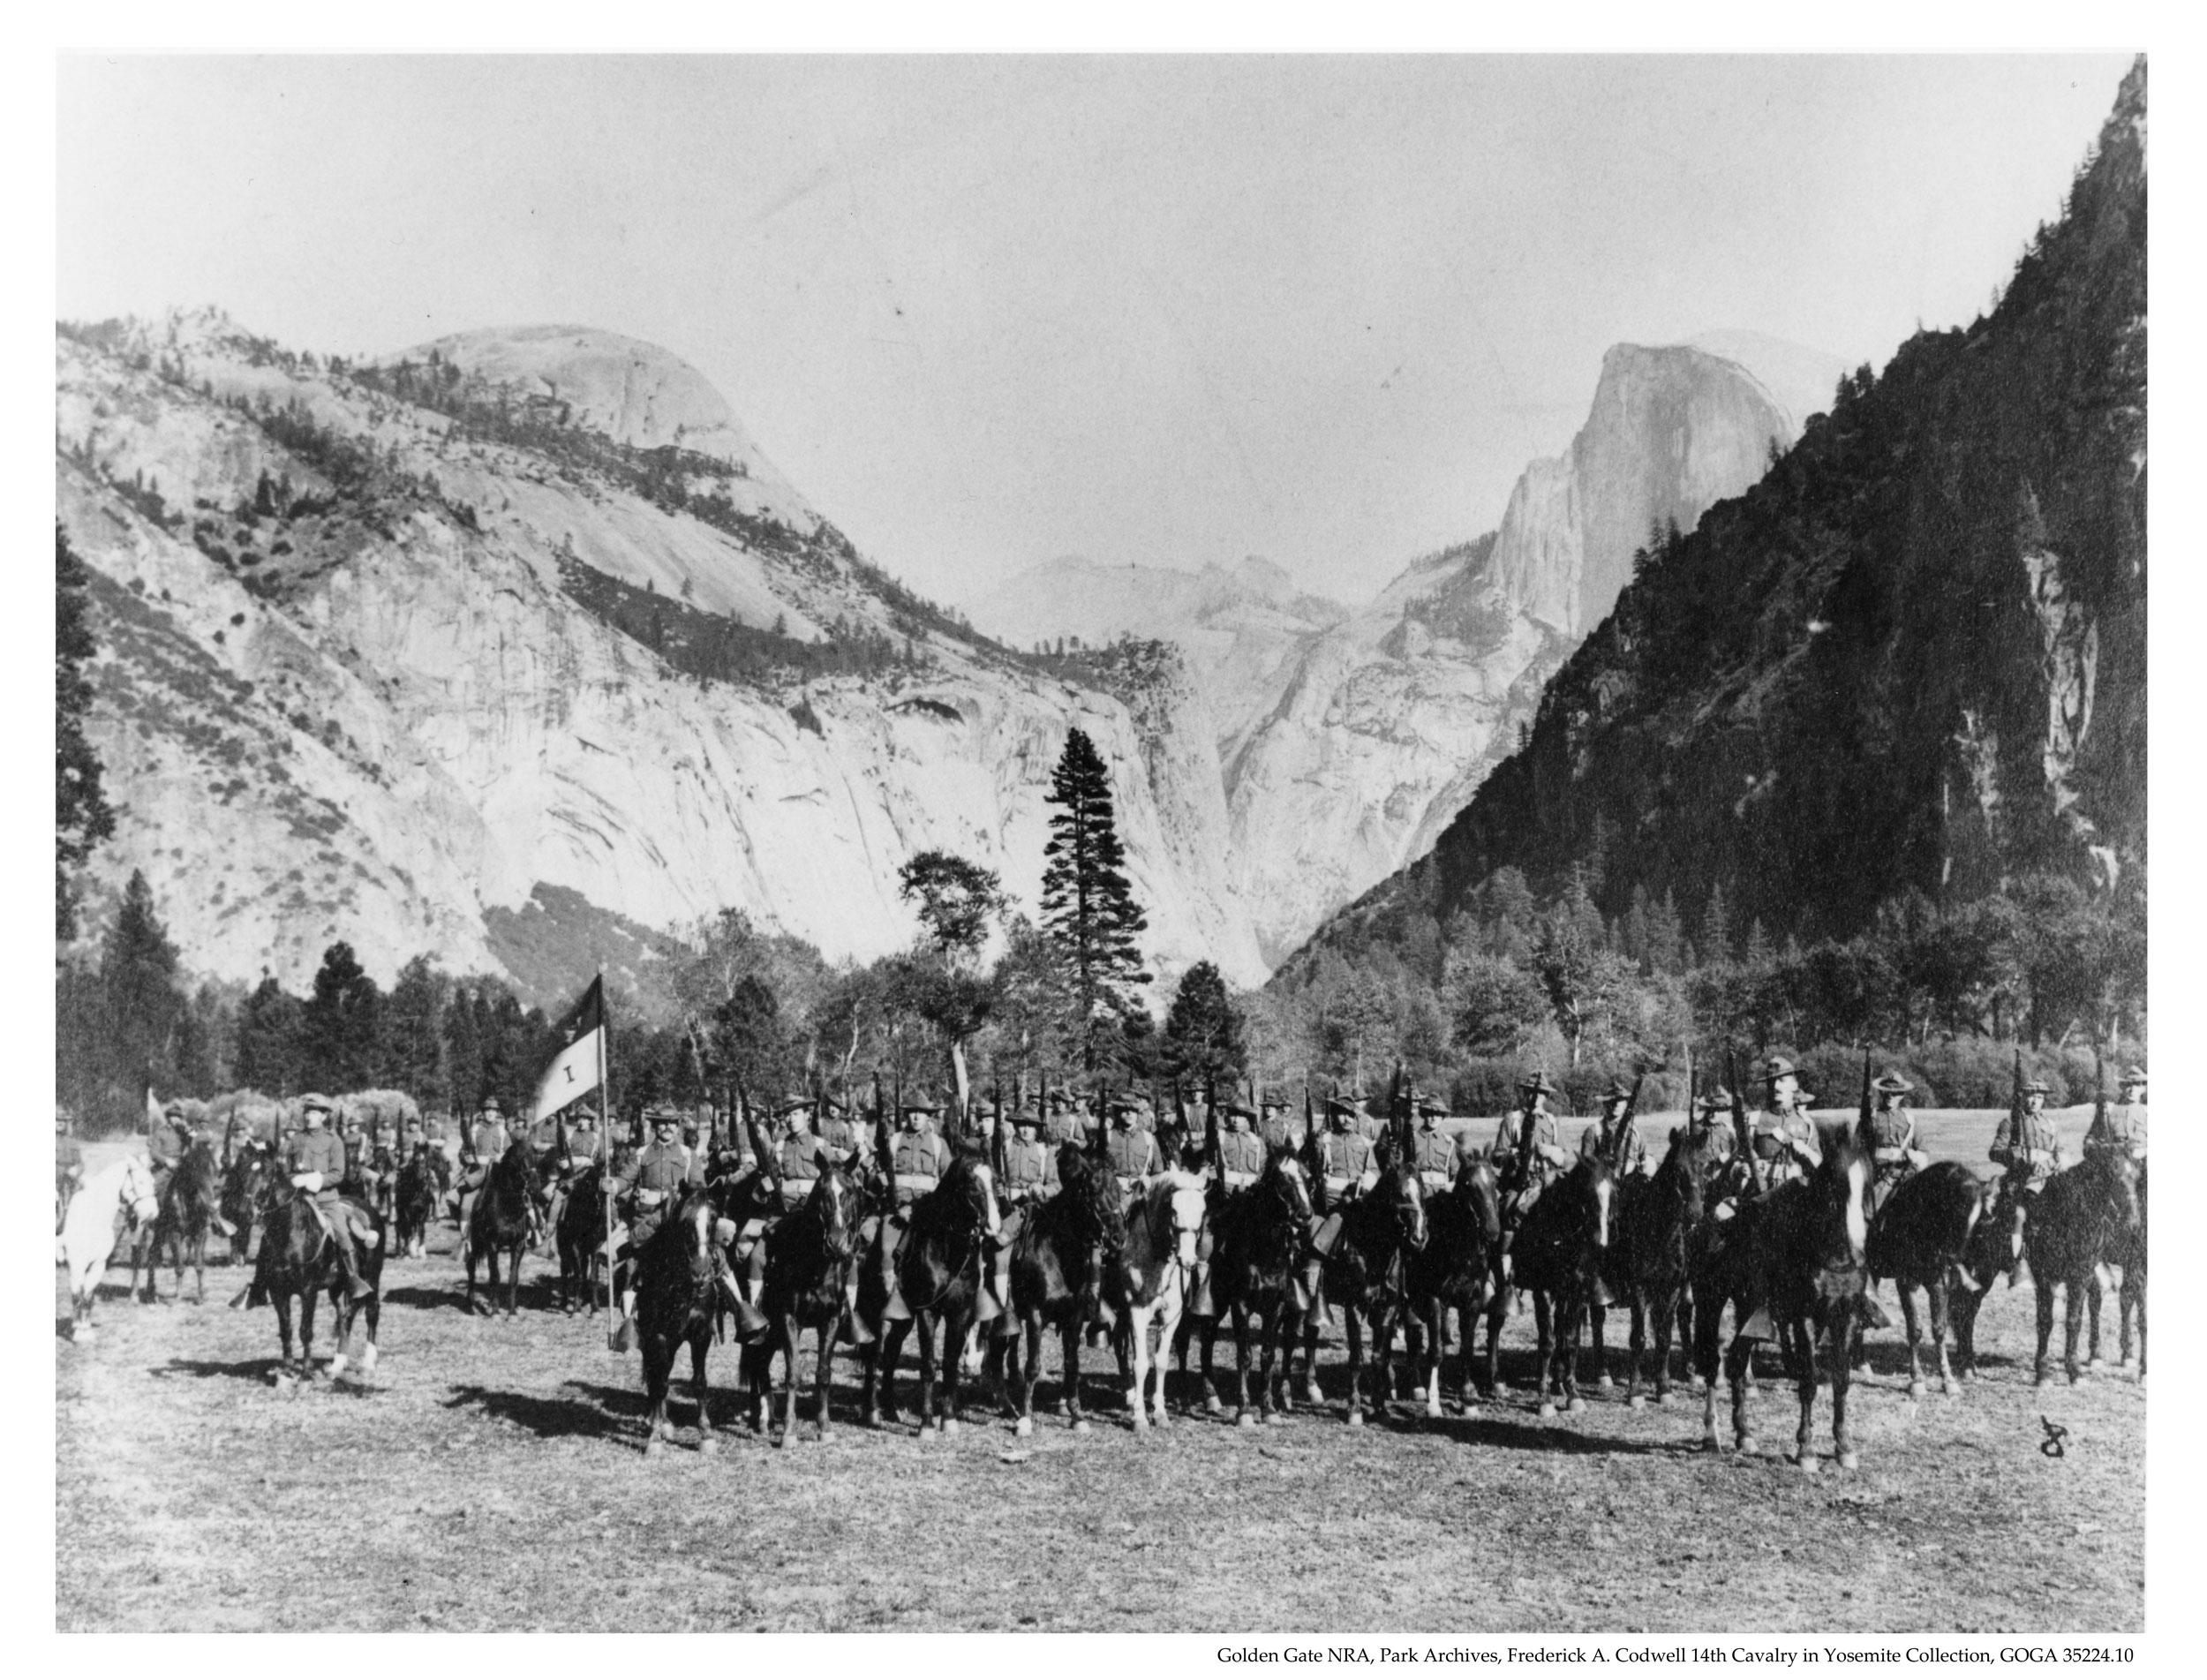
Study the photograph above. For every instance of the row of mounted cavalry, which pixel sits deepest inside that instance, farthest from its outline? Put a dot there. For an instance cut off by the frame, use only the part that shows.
(1172, 1261)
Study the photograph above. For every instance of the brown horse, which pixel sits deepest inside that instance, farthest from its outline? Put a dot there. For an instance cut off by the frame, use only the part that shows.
(1925, 1237)
(1560, 1252)
(1064, 1249)
(1657, 1218)
(501, 1224)
(1459, 1266)
(809, 1254)
(299, 1260)
(1367, 1274)
(674, 1306)
(1261, 1235)
(938, 1275)
(189, 1208)
(2083, 1219)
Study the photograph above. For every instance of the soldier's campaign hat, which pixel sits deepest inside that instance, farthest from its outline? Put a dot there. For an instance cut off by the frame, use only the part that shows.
(1026, 1116)
(1891, 1085)
(491, 1105)
(1618, 1092)
(174, 1110)
(1271, 1102)
(662, 1117)
(2036, 1087)
(923, 1107)
(1539, 1084)
(2134, 1074)
(1779, 1067)
(1715, 1098)
(1126, 1102)
(1241, 1109)
(794, 1106)
(315, 1102)
(1432, 1105)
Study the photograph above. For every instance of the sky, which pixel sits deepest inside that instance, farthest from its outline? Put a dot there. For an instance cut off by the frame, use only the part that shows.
(984, 311)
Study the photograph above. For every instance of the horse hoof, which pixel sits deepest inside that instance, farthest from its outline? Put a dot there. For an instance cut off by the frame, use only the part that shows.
(1024, 1427)
(1916, 1391)
(1243, 1421)
(1807, 1463)
(1700, 1386)
(1548, 1408)
(1577, 1403)
(1313, 1393)
(1433, 1406)
(650, 1446)
(1081, 1426)
(1634, 1402)
(1662, 1397)
(707, 1446)
(927, 1432)
(1164, 1421)
(1417, 1390)
(2078, 1379)
(1850, 1459)
(2039, 1380)
(1605, 1380)
(1279, 1416)
(950, 1427)
(1211, 1406)
(1746, 1444)
(1710, 1443)
(1356, 1419)
(1953, 1388)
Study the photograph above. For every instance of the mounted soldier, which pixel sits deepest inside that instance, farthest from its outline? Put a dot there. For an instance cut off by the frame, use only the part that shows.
(1614, 1137)
(482, 1140)
(2122, 1125)
(837, 1131)
(1132, 1151)
(314, 1162)
(663, 1167)
(166, 1141)
(1272, 1123)
(2025, 1144)
(1241, 1150)
(1346, 1168)
(1435, 1152)
(918, 1158)
(1528, 1148)
(1027, 1178)
(1070, 1121)
(1893, 1152)
(1786, 1144)
(68, 1165)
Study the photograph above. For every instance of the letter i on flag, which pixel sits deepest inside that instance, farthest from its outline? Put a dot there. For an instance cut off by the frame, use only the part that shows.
(575, 1065)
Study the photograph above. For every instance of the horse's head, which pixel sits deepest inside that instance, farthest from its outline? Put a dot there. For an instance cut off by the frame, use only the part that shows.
(1403, 1193)
(1592, 1186)
(1478, 1193)
(972, 1187)
(1288, 1181)
(834, 1204)
(1843, 1186)
(2118, 1172)
(1684, 1173)
(1176, 1207)
(134, 1195)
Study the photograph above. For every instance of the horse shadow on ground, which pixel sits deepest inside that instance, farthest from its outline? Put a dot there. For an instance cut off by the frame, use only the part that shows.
(533, 1297)
(592, 1410)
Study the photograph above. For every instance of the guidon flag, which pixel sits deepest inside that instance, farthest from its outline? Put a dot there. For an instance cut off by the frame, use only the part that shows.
(576, 1065)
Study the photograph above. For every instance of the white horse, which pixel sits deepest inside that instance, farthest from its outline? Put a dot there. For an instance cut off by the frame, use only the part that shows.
(122, 1190)
(1150, 1284)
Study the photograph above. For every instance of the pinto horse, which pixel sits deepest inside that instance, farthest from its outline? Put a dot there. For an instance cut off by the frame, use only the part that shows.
(119, 1195)
(499, 1224)
(1459, 1266)
(1367, 1274)
(2084, 1218)
(1926, 1237)
(1261, 1236)
(809, 1255)
(188, 1211)
(1560, 1254)
(675, 1299)
(1148, 1286)
(1658, 1217)
(1065, 1250)
(938, 1275)
(1793, 1265)
(299, 1259)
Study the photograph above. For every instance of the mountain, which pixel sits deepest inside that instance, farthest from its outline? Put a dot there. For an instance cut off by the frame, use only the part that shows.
(1799, 379)
(1349, 739)
(514, 649)
(1911, 659)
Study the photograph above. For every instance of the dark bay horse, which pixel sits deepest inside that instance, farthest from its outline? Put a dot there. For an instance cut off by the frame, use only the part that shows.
(1459, 1266)
(1367, 1274)
(188, 1211)
(675, 1305)
(809, 1255)
(501, 1224)
(1559, 1255)
(2084, 1218)
(938, 1275)
(579, 1238)
(1792, 1264)
(299, 1260)
(414, 1203)
(1064, 1249)
(2129, 1254)
(244, 1193)
(1926, 1237)
(1659, 1216)
(1260, 1237)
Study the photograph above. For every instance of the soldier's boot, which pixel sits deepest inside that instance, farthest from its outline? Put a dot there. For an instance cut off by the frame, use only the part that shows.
(357, 1287)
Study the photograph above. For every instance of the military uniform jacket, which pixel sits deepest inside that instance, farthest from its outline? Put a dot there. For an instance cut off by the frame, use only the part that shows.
(2123, 1126)
(1716, 1138)
(484, 1141)
(1275, 1131)
(1241, 1158)
(322, 1152)
(1535, 1130)
(920, 1158)
(1030, 1170)
(1436, 1157)
(1367, 1127)
(797, 1164)
(1596, 1138)
(2028, 1145)
(1132, 1152)
(1070, 1126)
(664, 1168)
(166, 1144)
(839, 1135)
(1892, 1135)
(1346, 1157)
(1795, 1130)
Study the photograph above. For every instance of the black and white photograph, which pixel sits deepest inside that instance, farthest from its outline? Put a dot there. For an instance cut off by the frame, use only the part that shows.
(1229, 844)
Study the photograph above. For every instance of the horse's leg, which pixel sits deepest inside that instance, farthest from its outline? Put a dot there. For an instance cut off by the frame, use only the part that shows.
(1635, 1349)
(1544, 1342)
(700, 1345)
(1602, 1353)
(923, 1326)
(1312, 1392)
(892, 1348)
(1133, 1363)
(513, 1276)
(823, 1365)
(957, 1324)
(1497, 1311)
(1905, 1288)
(658, 1368)
(1352, 1327)
(1936, 1296)
(1805, 1384)
(283, 1300)
(467, 1257)
(1204, 1387)
(1433, 1319)
(1070, 1340)
(2073, 1302)
(1737, 1359)
(1241, 1364)
(789, 1334)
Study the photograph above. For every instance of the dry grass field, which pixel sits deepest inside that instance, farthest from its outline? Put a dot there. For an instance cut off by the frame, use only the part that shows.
(490, 1476)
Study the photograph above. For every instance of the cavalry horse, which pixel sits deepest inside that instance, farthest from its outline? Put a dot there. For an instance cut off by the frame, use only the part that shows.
(2127, 1254)
(676, 1294)
(1926, 1237)
(806, 1287)
(1459, 1266)
(1559, 1255)
(1792, 1264)
(119, 1195)
(2085, 1217)
(579, 1238)
(414, 1203)
(938, 1275)
(298, 1258)
(1261, 1236)
(1147, 1287)
(501, 1223)
(1064, 1249)
(244, 1193)
(1365, 1275)
(1658, 1217)
(189, 1208)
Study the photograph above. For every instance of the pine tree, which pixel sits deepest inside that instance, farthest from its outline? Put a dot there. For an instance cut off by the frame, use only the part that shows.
(342, 1024)
(413, 1057)
(1666, 951)
(81, 816)
(463, 1053)
(1204, 1041)
(1634, 940)
(138, 979)
(1714, 940)
(268, 1040)
(1088, 905)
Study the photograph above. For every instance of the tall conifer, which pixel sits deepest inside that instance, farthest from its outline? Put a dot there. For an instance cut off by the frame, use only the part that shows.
(1088, 907)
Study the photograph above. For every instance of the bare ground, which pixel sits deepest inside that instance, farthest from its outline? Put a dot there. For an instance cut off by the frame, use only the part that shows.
(491, 1477)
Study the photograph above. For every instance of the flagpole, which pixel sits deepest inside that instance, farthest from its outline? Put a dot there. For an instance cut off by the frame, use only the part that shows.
(605, 1144)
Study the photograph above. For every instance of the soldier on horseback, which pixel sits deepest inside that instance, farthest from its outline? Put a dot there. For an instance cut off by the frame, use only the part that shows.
(1893, 1151)
(1436, 1154)
(1130, 1150)
(1346, 1168)
(2026, 1145)
(1529, 1148)
(836, 1130)
(1029, 1178)
(2121, 1126)
(919, 1157)
(1241, 1150)
(166, 1141)
(1614, 1132)
(1786, 1144)
(661, 1171)
(1272, 1126)
(482, 1141)
(314, 1162)
(68, 1165)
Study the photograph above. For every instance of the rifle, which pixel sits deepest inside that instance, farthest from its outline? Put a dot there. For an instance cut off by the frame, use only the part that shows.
(1211, 1151)
(2015, 1118)
(1863, 1121)
(769, 1168)
(1617, 1144)
(1003, 1121)
(1742, 1134)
